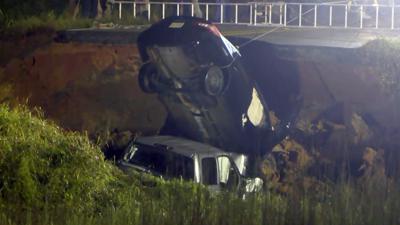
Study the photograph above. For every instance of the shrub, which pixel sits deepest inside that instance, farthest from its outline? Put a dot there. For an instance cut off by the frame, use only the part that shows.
(43, 166)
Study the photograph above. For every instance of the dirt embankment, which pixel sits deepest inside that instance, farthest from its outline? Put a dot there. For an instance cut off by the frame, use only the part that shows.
(82, 87)
(346, 102)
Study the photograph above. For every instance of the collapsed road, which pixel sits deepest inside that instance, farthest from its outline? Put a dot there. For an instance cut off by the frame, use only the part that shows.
(343, 89)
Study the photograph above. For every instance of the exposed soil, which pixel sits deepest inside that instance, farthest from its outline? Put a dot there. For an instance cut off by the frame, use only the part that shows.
(83, 87)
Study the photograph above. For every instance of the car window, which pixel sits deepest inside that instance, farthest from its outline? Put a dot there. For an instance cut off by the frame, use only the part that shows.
(224, 165)
(161, 161)
(209, 171)
(228, 174)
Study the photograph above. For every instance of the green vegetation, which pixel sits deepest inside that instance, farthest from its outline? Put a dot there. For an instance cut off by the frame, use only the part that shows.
(21, 9)
(24, 15)
(50, 176)
(43, 166)
(47, 21)
(31, 16)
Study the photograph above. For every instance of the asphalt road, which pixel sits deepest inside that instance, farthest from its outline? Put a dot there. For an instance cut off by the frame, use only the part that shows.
(322, 37)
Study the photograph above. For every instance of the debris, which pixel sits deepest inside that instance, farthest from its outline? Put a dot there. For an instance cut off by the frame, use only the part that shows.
(362, 133)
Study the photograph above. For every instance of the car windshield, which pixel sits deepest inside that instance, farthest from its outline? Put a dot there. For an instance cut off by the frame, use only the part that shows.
(161, 161)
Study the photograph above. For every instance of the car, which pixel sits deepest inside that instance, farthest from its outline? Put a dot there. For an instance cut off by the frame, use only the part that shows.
(198, 76)
(176, 158)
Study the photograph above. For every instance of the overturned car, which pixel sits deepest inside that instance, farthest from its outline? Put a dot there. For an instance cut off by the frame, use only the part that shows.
(198, 76)
(176, 158)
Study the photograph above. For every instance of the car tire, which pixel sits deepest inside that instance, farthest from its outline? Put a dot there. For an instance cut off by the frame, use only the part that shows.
(147, 76)
(214, 82)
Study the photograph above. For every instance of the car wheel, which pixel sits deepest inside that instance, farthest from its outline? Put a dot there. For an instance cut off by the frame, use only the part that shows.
(214, 81)
(147, 76)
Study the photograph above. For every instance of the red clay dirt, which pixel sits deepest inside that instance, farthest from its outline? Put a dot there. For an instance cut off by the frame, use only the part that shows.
(84, 87)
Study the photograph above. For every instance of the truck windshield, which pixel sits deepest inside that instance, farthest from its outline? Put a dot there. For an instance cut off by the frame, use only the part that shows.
(161, 161)
(209, 171)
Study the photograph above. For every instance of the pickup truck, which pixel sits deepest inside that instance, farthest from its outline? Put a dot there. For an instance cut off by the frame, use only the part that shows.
(177, 158)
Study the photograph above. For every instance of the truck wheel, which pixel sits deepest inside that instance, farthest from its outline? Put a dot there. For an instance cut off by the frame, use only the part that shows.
(147, 76)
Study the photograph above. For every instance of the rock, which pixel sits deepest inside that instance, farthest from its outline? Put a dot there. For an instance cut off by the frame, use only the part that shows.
(270, 172)
(373, 179)
(287, 163)
(362, 132)
(373, 164)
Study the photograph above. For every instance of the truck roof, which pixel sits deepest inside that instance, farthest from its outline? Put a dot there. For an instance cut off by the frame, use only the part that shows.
(181, 146)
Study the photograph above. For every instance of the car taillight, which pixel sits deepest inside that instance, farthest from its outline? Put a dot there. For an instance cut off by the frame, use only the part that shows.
(211, 28)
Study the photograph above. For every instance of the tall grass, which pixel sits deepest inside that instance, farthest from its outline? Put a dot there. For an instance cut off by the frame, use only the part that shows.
(182, 203)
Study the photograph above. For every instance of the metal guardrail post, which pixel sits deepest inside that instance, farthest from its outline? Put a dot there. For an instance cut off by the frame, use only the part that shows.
(148, 11)
(361, 16)
(315, 15)
(330, 15)
(236, 13)
(163, 10)
(255, 13)
(270, 14)
(280, 15)
(177, 9)
(376, 17)
(285, 18)
(207, 11)
(134, 10)
(192, 9)
(265, 14)
(345, 16)
(300, 13)
(222, 13)
(392, 27)
(120, 11)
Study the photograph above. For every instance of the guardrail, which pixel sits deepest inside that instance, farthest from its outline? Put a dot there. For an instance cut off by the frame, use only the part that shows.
(316, 15)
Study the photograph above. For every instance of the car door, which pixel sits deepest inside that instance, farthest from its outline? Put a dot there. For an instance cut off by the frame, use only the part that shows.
(228, 174)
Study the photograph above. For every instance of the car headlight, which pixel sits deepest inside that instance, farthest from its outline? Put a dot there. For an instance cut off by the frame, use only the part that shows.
(214, 81)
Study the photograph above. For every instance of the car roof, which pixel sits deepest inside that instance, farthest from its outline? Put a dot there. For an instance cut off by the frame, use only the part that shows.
(181, 146)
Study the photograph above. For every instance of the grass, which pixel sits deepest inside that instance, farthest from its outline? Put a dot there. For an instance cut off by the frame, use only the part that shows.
(48, 21)
(51, 21)
(42, 166)
(182, 203)
(50, 176)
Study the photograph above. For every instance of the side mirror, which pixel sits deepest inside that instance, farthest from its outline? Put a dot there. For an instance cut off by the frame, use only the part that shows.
(254, 185)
